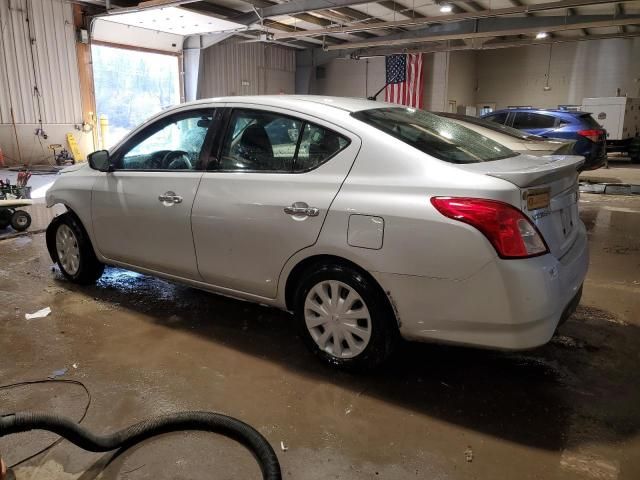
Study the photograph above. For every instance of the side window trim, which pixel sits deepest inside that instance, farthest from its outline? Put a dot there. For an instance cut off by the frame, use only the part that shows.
(158, 125)
(226, 115)
(511, 116)
(212, 160)
(213, 141)
(298, 143)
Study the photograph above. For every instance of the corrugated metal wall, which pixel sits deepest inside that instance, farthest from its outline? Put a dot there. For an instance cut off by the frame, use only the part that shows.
(49, 76)
(235, 68)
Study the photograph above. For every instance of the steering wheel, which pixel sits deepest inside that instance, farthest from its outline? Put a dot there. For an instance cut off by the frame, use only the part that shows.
(155, 161)
(177, 157)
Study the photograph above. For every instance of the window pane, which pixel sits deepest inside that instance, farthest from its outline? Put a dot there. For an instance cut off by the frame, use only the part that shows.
(533, 120)
(260, 141)
(435, 136)
(131, 86)
(498, 117)
(175, 146)
(317, 146)
(589, 121)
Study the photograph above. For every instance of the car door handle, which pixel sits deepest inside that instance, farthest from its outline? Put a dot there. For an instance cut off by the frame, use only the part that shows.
(302, 209)
(170, 198)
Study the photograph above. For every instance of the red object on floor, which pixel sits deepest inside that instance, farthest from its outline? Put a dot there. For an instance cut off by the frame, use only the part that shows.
(1, 159)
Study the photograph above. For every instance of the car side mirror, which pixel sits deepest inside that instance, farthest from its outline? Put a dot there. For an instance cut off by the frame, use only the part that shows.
(100, 160)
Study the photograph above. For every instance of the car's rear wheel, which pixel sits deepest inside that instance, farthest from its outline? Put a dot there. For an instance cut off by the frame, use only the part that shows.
(71, 249)
(345, 317)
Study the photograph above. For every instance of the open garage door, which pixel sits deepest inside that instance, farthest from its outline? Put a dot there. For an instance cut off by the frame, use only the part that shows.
(131, 85)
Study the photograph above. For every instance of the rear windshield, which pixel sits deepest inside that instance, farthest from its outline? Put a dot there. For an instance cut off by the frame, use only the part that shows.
(589, 121)
(435, 136)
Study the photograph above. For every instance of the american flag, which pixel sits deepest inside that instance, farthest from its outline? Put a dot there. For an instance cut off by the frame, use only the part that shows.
(404, 79)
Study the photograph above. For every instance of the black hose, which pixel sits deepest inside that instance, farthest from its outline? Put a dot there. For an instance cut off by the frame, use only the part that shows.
(200, 421)
(49, 381)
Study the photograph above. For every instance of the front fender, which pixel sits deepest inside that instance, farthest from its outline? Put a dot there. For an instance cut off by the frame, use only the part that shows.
(72, 188)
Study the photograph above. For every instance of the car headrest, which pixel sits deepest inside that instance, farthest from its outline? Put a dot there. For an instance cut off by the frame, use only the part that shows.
(255, 138)
(329, 144)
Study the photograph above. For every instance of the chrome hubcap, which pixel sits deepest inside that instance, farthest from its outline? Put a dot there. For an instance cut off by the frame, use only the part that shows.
(68, 250)
(337, 319)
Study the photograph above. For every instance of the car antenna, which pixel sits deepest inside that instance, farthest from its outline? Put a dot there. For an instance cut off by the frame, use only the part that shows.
(374, 97)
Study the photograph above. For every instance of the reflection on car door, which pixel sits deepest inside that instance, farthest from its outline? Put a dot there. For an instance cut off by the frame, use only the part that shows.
(267, 197)
(141, 210)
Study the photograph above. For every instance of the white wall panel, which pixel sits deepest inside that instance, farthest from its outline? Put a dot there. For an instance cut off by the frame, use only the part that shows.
(463, 78)
(350, 78)
(235, 68)
(597, 68)
(44, 72)
(436, 81)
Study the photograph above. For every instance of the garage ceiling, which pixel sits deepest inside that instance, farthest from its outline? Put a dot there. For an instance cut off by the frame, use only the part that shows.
(368, 28)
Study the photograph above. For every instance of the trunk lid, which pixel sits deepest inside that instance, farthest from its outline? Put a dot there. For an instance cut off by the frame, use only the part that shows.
(548, 193)
(551, 147)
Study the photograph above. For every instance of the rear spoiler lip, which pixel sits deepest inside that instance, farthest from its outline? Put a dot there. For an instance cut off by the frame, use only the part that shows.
(528, 170)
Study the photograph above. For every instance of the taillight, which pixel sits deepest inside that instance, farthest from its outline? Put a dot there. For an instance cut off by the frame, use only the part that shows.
(510, 232)
(593, 135)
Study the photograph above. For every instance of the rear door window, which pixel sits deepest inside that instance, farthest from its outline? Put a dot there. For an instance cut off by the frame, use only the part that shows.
(530, 120)
(317, 146)
(258, 140)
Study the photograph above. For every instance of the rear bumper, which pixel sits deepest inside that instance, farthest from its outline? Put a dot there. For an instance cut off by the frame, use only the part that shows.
(594, 153)
(508, 304)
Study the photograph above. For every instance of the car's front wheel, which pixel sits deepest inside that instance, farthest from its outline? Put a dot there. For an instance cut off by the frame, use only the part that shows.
(345, 317)
(71, 249)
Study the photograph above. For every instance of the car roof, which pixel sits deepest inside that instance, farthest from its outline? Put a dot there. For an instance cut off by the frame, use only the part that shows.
(543, 110)
(349, 104)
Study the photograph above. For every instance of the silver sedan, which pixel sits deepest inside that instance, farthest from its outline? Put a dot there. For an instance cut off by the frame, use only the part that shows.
(368, 221)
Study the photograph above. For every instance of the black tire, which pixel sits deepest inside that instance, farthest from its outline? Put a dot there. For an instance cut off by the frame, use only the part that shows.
(90, 269)
(5, 217)
(20, 220)
(384, 328)
(634, 150)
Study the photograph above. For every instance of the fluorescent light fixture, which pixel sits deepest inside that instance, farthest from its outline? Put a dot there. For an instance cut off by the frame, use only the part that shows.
(446, 8)
(541, 35)
(174, 20)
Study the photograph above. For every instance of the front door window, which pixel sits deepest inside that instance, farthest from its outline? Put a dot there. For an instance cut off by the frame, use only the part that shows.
(174, 143)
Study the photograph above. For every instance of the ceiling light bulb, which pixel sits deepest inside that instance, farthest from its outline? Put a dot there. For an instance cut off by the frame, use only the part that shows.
(446, 8)
(541, 35)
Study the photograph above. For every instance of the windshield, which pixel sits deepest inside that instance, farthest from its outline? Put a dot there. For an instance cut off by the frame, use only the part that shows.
(435, 136)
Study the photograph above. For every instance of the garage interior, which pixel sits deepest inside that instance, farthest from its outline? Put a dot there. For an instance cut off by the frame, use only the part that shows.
(77, 76)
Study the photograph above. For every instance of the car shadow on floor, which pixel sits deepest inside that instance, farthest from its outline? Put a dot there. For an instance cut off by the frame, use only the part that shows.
(585, 383)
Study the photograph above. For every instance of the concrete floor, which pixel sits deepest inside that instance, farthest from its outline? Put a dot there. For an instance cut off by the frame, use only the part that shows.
(143, 346)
